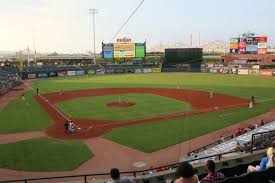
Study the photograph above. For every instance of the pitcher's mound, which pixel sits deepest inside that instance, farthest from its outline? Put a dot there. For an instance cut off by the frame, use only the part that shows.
(120, 104)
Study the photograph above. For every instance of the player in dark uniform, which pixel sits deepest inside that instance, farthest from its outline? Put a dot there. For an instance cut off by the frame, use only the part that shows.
(66, 126)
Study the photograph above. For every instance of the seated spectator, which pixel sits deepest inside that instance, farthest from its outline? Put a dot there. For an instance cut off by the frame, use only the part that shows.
(186, 173)
(212, 176)
(115, 174)
(266, 162)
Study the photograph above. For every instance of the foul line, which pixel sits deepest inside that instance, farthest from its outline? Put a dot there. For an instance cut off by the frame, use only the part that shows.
(51, 105)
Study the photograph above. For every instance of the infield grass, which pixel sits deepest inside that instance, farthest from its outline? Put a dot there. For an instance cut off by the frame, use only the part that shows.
(146, 105)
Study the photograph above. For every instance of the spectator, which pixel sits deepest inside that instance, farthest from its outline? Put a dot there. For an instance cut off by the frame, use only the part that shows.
(186, 173)
(212, 176)
(115, 174)
(221, 139)
(262, 123)
(266, 162)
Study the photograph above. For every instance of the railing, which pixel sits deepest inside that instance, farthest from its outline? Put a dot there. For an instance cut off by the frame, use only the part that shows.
(266, 140)
(84, 177)
(212, 144)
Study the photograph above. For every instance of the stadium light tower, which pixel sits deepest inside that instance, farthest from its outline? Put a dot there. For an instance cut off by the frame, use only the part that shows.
(92, 12)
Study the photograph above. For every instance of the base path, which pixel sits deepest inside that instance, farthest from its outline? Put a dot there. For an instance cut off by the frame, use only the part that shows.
(200, 101)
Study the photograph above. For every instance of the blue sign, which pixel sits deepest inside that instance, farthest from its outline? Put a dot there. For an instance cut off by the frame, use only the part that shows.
(108, 54)
(42, 75)
(251, 48)
(80, 72)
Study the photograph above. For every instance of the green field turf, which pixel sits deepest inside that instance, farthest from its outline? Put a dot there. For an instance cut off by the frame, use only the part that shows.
(43, 154)
(30, 118)
(146, 105)
(22, 116)
(156, 136)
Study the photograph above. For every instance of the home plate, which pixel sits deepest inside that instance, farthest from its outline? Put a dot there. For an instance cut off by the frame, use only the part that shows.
(139, 164)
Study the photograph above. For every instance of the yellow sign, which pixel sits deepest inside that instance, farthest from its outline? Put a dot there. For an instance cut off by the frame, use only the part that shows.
(124, 50)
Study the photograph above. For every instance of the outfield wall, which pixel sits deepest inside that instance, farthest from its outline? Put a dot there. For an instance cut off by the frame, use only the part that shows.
(91, 71)
(241, 69)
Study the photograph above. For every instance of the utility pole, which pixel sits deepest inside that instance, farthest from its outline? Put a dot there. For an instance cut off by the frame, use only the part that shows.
(93, 11)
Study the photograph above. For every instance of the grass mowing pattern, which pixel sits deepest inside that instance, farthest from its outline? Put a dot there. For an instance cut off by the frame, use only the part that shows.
(147, 105)
(151, 137)
(44, 154)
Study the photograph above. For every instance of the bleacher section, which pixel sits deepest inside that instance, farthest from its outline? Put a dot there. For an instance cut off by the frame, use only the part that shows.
(8, 80)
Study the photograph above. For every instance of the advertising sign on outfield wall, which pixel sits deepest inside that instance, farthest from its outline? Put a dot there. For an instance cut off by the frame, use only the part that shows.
(100, 71)
(80, 72)
(266, 73)
(31, 76)
(62, 73)
(254, 72)
(91, 71)
(109, 71)
(53, 74)
(213, 70)
(147, 70)
(243, 71)
(71, 73)
(210, 65)
(118, 71)
(138, 70)
(42, 75)
(156, 70)
(131, 70)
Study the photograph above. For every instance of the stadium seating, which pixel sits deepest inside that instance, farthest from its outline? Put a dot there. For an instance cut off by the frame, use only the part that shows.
(8, 80)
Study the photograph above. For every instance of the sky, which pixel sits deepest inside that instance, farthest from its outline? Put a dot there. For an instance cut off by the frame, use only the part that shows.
(65, 26)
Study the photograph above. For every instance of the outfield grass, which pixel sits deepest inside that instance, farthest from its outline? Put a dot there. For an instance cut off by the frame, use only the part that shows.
(44, 154)
(13, 119)
(147, 105)
(150, 137)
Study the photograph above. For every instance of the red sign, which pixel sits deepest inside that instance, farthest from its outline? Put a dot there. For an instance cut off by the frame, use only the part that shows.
(262, 39)
(242, 50)
(262, 50)
(124, 40)
(242, 45)
(266, 73)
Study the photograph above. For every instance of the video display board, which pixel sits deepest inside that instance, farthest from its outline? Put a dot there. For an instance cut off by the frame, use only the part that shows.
(248, 43)
(124, 50)
(108, 50)
(140, 50)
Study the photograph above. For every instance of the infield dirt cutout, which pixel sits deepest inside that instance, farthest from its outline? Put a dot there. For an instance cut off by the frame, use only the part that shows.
(200, 101)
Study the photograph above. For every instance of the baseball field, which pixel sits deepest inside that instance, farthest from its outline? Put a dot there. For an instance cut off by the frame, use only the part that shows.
(166, 109)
